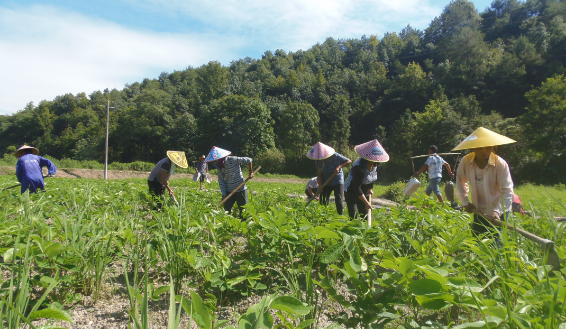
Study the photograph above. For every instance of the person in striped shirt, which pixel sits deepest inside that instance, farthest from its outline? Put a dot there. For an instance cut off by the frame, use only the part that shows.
(230, 176)
(434, 164)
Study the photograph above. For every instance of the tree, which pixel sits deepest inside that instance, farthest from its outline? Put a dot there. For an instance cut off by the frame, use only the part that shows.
(237, 123)
(298, 127)
(545, 125)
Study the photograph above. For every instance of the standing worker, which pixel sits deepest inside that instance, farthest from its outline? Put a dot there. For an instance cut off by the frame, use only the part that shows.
(28, 169)
(329, 162)
(230, 176)
(202, 169)
(434, 164)
(359, 184)
(158, 179)
(488, 176)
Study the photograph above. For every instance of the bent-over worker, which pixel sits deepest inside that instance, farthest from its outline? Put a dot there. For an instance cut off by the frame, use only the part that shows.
(230, 176)
(28, 169)
(359, 184)
(158, 179)
(329, 162)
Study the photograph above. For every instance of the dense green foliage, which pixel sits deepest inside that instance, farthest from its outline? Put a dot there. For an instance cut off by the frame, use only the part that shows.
(502, 69)
(416, 269)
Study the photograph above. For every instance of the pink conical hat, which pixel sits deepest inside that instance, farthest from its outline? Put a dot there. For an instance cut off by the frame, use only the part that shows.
(217, 153)
(372, 151)
(320, 151)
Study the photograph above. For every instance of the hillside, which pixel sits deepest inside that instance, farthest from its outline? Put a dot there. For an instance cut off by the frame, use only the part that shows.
(502, 69)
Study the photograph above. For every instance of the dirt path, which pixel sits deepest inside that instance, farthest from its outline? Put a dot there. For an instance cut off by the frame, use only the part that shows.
(119, 174)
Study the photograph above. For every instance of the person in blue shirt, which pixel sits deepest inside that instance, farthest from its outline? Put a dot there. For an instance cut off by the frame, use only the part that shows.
(28, 169)
(434, 164)
(329, 162)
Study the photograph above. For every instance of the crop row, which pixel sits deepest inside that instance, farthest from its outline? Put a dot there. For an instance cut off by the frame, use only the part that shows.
(306, 267)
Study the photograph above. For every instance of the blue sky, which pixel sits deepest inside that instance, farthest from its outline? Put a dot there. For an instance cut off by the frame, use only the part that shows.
(50, 48)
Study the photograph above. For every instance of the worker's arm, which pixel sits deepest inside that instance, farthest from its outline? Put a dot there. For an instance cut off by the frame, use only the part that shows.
(344, 164)
(416, 175)
(250, 170)
(449, 170)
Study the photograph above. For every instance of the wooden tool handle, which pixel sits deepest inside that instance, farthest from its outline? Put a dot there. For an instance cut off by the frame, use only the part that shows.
(237, 188)
(320, 189)
(369, 211)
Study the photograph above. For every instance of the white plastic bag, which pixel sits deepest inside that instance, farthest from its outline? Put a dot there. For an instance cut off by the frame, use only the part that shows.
(412, 186)
(208, 178)
(196, 177)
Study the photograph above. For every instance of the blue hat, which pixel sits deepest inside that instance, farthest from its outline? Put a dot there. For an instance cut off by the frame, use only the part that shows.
(216, 153)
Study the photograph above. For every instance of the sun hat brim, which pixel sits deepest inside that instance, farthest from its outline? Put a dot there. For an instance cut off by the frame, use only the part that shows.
(178, 158)
(216, 153)
(20, 152)
(320, 151)
(483, 137)
(372, 151)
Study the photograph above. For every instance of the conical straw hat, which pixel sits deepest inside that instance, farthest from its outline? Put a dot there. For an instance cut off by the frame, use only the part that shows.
(372, 151)
(320, 151)
(19, 153)
(178, 157)
(482, 138)
(216, 153)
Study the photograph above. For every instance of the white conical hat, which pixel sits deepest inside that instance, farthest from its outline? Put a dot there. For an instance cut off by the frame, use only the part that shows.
(483, 137)
(320, 151)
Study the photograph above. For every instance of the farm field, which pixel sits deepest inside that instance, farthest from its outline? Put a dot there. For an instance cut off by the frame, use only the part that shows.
(90, 253)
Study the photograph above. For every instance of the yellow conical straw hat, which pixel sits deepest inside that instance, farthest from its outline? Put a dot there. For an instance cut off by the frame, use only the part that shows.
(178, 158)
(482, 138)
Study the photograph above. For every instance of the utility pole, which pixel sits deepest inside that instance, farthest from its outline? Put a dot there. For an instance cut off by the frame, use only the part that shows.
(106, 144)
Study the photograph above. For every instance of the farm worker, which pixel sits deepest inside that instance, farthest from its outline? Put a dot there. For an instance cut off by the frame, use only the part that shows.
(312, 187)
(28, 169)
(434, 164)
(230, 176)
(488, 176)
(359, 184)
(329, 162)
(158, 179)
(202, 169)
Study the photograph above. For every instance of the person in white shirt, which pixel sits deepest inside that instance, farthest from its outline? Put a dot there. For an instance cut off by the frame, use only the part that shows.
(312, 187)
(434, 165)
(489, 178)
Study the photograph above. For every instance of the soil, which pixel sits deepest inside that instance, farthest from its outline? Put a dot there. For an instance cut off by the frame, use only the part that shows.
(119, 174)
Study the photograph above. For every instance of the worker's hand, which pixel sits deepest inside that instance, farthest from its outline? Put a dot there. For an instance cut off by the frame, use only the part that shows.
(337, 170)
(493, 218)
(316, 198)
(416, 175)
(469, 208)
(371, 192)
(451, 175)
(251, 175)
(368, 207)
(171, 192)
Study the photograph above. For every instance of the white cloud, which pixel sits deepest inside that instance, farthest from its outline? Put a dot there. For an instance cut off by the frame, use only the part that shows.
(298, 24)
(48, 52)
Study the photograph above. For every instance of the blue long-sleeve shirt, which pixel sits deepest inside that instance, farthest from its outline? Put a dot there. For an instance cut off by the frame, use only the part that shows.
(230, 176)
(28, 172)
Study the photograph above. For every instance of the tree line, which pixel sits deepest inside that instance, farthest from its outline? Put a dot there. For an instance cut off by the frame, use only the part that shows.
(502, 69)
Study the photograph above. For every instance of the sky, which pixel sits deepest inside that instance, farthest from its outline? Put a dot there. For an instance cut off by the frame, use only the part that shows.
(50, 48)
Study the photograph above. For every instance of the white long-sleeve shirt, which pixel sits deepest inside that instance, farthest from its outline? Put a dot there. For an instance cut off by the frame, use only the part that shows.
(496, 183)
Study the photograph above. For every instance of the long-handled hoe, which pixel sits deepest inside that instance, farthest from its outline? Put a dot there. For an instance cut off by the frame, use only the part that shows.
(14, 186)
(237, 188)
(320, 189)
(546, 245)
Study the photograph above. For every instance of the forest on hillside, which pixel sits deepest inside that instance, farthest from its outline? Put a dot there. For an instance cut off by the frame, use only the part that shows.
(503, 69)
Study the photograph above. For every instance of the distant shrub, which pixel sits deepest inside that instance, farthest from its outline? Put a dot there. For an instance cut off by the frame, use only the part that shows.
(271, 161)
(394, 192)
